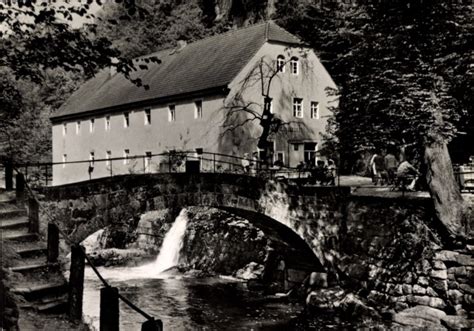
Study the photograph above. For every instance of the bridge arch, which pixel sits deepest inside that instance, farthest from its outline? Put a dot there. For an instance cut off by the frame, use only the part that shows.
(311, 214)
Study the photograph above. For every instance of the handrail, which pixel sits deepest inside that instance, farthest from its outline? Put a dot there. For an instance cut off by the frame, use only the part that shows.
(233, 162)
(82, 250)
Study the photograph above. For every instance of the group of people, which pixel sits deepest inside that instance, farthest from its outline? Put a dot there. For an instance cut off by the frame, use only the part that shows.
(387, 170)
(321, 173)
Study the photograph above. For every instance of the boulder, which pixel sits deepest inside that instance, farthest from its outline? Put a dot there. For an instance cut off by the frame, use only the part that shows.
(417, 289)
(439, 265)
(252, 270)
(457, 322)
(466, 288)
(455, 296)
(325, 299)
(439, 274)
(352, 306)
(420, 317)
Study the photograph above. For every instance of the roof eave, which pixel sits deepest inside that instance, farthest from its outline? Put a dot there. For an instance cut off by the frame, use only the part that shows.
(219, 90)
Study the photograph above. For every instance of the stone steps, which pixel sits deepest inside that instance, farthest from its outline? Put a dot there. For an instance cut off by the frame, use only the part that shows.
(34, 267)
(11, 212)
(14, 223)
(20, 236)
(48, 304)
(34, 249)
(35, 292)
(40, 283)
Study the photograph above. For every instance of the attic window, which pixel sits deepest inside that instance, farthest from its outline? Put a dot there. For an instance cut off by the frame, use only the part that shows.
(78, 127)
(92, 125)
(107, 123)
(171, 113)
(126, 120)
(280, 63)
(294, 66)
(198, 109)
(147, 116)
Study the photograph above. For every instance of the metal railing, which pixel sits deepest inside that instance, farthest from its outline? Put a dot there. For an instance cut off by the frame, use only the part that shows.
(109, 296)
(40, 174)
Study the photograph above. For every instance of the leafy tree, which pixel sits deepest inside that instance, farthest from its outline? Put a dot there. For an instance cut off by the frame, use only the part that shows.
(25, 130)
(42, 60)
(168, 21)
(402, 69)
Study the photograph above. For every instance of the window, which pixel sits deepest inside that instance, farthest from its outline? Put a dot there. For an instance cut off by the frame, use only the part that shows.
(198, 109)
(280, 63)
(310, 150)
(92, 125)
(64, 129)
(78, 127)
(64, 160)
(298, 107)
(91, 158)
(296, 147)
(171, 113)
(294, 66)
(126, 120)
(315, 109)
(107, 123)
(147, 161)
(280, 158)
(108, 156)
(126, 155)
(147, 116)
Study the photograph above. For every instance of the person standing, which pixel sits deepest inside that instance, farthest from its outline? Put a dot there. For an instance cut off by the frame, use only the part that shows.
(379, 169)
(391, 166)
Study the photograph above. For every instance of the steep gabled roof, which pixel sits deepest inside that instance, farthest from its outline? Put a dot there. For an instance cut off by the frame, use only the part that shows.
(206, 64)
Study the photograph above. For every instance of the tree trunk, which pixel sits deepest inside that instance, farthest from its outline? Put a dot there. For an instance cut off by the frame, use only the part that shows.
(445, 192)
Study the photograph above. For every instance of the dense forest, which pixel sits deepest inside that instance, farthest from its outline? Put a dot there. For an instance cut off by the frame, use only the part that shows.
(404, 70)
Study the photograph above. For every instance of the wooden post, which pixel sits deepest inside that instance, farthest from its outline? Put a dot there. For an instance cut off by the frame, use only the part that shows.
(9, 176)
(20, 188)
(53, 242)
(152, 325)
(76, 283)
(109, 309)
(33, 215)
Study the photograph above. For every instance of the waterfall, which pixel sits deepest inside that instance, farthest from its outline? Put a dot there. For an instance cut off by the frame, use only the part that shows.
(167, 258)
(171, 246)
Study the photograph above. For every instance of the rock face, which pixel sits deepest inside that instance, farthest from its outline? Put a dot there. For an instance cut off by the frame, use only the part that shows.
(215, 242)
(250, 271)
(421, 317)
(221, 243)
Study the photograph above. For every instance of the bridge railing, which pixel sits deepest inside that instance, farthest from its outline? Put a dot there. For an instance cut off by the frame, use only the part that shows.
(40, 174)
(109, 295)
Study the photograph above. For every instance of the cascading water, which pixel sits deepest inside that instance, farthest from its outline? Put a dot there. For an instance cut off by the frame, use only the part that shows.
(171, 246)
(167, 258)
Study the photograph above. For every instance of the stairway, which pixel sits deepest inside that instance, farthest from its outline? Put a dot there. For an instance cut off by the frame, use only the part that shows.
(39, 283)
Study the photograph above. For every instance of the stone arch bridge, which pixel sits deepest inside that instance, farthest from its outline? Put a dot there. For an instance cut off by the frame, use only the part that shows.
(314, 214)
(389, 247)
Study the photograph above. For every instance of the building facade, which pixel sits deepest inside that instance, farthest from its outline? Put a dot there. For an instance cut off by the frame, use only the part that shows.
(202, 97)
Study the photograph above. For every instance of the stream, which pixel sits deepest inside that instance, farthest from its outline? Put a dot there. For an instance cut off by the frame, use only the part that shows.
(184, 303)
